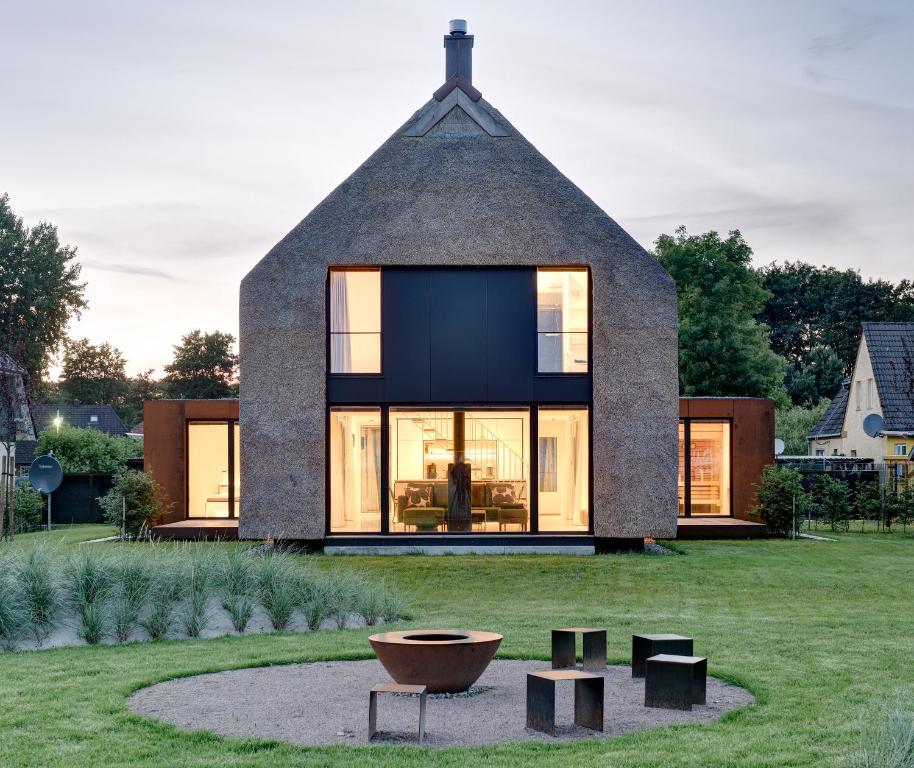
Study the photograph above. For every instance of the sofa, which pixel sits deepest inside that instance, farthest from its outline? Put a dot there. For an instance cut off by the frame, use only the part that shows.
(421, 505)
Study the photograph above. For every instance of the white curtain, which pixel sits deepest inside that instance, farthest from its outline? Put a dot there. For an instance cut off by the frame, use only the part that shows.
(340, 348)
(371, 469)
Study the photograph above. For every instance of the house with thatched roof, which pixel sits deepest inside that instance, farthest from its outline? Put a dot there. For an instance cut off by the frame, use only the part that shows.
(458, 347)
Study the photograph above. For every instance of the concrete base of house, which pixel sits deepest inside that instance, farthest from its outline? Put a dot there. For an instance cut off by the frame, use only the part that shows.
(442, 544)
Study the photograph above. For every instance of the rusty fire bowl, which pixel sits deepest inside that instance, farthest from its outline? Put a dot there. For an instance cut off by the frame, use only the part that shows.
(443, 660)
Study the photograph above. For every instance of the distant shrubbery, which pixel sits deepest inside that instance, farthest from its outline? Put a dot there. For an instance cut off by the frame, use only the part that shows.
(177, 590)
(29, 509)
(781, 500)
(88, 450)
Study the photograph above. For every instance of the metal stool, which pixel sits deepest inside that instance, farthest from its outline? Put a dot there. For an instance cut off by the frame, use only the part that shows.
(588, 699)
(675, 682)
(410, 690)
(563, 648)
(645, 646)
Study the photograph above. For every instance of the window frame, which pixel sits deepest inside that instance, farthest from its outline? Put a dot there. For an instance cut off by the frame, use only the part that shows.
(329, 334)
(687, 422)
(230, 426)
(589, 332)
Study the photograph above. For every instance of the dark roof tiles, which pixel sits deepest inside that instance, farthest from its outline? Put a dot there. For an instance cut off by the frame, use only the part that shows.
(832, 422)
(891, 348)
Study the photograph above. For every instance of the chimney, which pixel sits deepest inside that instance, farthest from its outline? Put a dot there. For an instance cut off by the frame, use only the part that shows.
(458, 52)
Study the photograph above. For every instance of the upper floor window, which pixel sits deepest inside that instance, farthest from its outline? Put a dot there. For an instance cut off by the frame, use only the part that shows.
(901, 449)
(870, 387)
(562, 321)
(858, 394)
(355, 321)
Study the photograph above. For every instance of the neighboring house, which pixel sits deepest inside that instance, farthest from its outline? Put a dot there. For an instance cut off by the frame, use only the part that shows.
(136, 431)
(457, 340)
(102, 417)
(15, 416)
(882, 383)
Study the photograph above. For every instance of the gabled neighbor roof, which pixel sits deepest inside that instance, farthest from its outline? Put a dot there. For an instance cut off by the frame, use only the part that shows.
(101, 417)
(832, 422)
(891, 348)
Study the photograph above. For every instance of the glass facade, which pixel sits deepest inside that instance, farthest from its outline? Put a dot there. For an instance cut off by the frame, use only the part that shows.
(562, 321)
(428, 493)
(563, 465)
(705, 462)
(355, 321)
(355, 470)
(213, 478)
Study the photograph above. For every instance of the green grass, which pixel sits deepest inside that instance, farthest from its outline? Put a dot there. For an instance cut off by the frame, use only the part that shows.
(65, 535)
(820, 632)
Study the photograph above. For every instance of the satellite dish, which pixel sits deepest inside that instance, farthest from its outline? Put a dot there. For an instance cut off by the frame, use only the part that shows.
(873, 424)
(45, 474)
(778, 446)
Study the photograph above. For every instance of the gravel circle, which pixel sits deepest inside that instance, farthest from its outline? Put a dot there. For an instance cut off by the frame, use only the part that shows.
(327, 703)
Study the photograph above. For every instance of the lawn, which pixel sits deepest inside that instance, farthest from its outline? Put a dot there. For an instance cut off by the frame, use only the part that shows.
(820, 632)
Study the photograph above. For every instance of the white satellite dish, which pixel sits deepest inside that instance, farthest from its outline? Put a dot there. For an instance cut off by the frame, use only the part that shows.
(778, 446)
(873, 424)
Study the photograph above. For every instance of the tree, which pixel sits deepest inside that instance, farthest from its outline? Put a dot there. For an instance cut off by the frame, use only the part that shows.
(723, 351)
(93, 374)
(87, 450)
(13, 426)
(831, 499)
(139, 389)
(204, 367)
(793, 422)
(809, 307)
(134, 501)
(782, 501)
(39, 289)
(867, 504)
(820, 375)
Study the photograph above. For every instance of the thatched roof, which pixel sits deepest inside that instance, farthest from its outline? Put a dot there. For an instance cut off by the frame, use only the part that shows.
(466, 189)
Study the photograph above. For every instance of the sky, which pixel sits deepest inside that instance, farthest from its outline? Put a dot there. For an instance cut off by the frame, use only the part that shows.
(174, 143)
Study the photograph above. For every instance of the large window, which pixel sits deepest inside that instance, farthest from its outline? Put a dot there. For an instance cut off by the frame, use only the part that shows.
(563, 461)
(704, 461)
(429, 494)
(355, 321)
(213, 469)
(355, 470)
(562, 321)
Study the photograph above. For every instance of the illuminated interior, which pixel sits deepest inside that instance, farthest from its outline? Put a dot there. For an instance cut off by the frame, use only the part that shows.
(497, 448)
(562, 321)
(209, 475)
(355, 321)
(355, 471)
(563, 469)
(708, 460)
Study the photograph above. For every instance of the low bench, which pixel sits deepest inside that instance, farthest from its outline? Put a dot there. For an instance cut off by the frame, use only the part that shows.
(407, 690)
(564, 653)
(588, 699)
(645, 646)
(675, 682)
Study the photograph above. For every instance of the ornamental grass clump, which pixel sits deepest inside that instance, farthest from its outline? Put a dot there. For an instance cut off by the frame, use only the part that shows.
(132, 580)
(237, 582)
(276, 587)
(13, 616)
(315, 597)
(346, 589)
(888, 740)
(198, 573)
(39, 593)
(87, 586)
(395, 606)
(165, 590)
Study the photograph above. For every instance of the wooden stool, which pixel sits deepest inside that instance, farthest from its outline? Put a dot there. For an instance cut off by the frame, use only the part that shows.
(409, 690)
(645, 646)
(563, 650)
(675, 682)
(588, 699)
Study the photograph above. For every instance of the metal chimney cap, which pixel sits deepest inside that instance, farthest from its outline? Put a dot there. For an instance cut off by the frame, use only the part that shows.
(458, 26)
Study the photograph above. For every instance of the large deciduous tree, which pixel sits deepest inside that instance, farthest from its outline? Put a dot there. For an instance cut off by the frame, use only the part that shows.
(93, 374)
(39, 290)
(811, 307)
(204, 366)
(723, 350)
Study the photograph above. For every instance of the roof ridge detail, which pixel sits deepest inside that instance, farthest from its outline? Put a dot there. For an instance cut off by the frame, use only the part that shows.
(435, 111)
(457, 81)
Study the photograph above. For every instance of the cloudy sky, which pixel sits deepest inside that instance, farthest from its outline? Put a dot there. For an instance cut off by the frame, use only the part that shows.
(175, 142)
